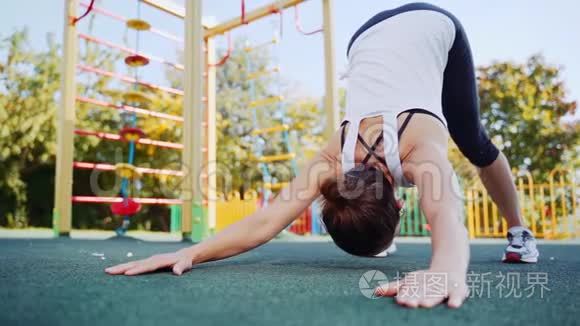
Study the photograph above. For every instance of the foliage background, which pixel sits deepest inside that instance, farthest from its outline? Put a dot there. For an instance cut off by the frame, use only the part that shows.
(522, 105)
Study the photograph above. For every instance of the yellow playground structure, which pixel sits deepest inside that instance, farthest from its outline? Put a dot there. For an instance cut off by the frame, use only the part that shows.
(198, 201)
(550, 208)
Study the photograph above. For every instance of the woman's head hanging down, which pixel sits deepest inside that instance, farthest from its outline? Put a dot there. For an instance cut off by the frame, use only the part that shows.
(360, 211)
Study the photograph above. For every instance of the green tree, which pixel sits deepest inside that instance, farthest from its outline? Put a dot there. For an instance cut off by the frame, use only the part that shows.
(235, 122)
(30, 80)
(29, 97)
(235, 119)
(522, 106)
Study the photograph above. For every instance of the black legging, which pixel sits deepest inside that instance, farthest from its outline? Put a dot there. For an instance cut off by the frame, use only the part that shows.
(459, 97)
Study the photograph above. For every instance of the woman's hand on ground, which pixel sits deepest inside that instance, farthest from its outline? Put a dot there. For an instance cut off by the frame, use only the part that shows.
(179, 262)
(426, 289)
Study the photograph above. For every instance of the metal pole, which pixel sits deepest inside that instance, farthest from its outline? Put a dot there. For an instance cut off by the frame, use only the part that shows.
(192, 115)
(62, 218)
(211, 137)
(251, 16)
(330, 98)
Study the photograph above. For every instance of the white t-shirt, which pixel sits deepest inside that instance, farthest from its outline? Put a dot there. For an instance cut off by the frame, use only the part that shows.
(396, 65)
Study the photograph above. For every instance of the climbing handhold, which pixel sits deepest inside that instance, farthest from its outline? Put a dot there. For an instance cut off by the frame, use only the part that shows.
(138, 24)
(136, 97)
(136, 60)
(127, 171)
(127, 207)
(131, 134)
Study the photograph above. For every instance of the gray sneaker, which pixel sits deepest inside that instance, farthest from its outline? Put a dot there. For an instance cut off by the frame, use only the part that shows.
(521, 247)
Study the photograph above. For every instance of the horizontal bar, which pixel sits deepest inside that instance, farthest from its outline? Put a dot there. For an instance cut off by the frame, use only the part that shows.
(110, 167)
(265, 101)
(270, 130)
(250, 17)
(120, 18)
(173, 10)
(262, 72)
(127, 50)
(276, 158)
(128, 79)
(128, 108)
(144, 141)
(111, 200)
(262, 45)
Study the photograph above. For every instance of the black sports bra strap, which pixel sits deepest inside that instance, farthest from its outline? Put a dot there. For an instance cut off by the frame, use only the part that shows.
(342, 140)
(371, 150)
(404, 125)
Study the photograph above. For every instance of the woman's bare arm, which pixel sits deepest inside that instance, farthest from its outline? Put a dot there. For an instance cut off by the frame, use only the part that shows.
(266, 223)
(430, 170)
(440, 201)
(252, 231)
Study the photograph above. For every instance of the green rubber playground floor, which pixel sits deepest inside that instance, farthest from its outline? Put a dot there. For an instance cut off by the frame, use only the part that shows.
(61, 282)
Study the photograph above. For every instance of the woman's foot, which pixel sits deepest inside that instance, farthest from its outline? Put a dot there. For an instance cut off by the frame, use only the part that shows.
(521, 247)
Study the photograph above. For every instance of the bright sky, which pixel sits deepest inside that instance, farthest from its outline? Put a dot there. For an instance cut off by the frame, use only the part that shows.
(498, 30)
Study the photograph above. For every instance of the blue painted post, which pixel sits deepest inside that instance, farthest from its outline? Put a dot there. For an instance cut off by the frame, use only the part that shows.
(315, 216)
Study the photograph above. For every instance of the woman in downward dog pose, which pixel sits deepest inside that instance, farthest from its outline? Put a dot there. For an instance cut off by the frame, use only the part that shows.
(411, 85)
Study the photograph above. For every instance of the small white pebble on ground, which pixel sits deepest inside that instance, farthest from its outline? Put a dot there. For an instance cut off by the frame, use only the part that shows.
(97, 254)
(129, 254)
